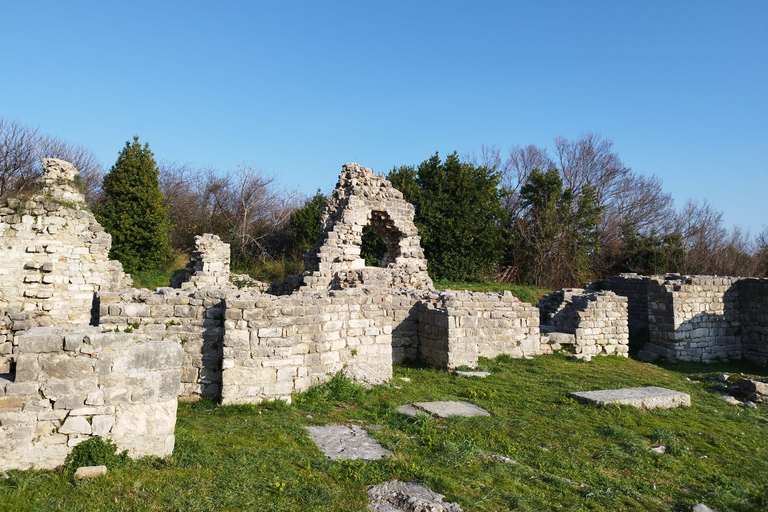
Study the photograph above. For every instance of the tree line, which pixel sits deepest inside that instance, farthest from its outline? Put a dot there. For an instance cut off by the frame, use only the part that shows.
(549, 219)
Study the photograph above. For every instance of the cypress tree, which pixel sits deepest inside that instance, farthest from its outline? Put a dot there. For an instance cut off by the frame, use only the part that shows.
(134, 211)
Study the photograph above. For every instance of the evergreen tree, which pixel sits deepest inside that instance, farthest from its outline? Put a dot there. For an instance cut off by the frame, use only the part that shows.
(555, 237)
(134, 211)
(305, 224)
(458, 214)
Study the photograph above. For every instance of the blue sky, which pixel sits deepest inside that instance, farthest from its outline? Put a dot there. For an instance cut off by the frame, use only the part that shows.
(299, 88)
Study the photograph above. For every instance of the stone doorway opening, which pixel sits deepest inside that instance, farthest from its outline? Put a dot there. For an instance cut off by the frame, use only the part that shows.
(380, 244)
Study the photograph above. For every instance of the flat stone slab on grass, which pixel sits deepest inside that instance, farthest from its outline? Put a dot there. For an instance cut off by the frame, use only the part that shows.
(396, 496)
(482, 375)
(344, 442)
(651, 397)
(443, 409)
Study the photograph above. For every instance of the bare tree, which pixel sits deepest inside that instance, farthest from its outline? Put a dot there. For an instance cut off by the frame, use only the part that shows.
(21, 150)
(252, 208)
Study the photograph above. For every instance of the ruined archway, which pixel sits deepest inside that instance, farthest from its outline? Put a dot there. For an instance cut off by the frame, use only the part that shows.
(360, 199)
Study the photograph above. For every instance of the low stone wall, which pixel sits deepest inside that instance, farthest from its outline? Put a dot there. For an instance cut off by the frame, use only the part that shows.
(598, 320)
(275, 346)
(191, 318)
(459, 327)
(693, 318)
(753, 315)
(75, 382)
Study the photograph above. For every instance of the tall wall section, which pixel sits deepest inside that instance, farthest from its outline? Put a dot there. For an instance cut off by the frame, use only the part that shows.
(53, 259)
(362, 198)
(753, 314)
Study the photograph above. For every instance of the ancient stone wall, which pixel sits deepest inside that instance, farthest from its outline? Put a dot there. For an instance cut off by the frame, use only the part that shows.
(275, 346)
(191, 317)
(459, 327)
(53, 258)
(597, 320)
(694, 318)
(753, 315)
(635, 288)
(75, 382)
(208, 265)
(362, 198)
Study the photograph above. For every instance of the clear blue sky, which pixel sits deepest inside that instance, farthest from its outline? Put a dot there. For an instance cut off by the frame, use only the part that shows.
(299, 88)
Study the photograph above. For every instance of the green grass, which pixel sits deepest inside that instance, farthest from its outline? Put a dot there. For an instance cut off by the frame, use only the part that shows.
(525, 293)
(156, 278)
(569, 456)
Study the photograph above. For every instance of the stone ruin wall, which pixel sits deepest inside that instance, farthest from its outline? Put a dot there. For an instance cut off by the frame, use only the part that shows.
(208, 338)
(597, 321)
(53, 259)
(456, 328)
(192, 318)
(275, 346)
(362, 198)
(753, 315)
(635, 289)
(700, 318)
(72, 383)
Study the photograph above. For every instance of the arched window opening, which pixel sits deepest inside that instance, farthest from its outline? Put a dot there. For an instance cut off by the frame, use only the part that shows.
(380, 240)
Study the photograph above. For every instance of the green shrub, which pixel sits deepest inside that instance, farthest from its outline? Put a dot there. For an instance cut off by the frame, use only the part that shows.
(96, 452)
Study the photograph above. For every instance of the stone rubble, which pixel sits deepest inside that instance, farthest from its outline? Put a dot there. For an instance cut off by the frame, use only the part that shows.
(396, 496)
(86, 472)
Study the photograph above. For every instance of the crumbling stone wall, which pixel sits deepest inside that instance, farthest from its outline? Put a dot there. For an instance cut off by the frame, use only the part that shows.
(362, 198)
(456, 328)
(208, 265)
(635, 288)
(693, 318)
(75, 382)
(753, 315)
(192, 318)
(275, 346)
(597, 320)
(53, 258)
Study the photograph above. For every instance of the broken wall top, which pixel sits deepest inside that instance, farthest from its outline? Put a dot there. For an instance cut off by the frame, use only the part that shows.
(362, 198)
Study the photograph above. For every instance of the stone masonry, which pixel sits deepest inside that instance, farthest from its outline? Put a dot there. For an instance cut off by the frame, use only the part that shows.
(700, 318)
(275, 346)
(120, 377)
(456, 328)
(362, 198)
(597, 320)
(53, 259)
(72, 383)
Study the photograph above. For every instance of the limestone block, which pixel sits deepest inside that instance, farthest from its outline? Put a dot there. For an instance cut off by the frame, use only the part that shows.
(75, 425)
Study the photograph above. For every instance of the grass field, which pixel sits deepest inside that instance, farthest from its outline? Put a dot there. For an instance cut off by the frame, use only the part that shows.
(569, 456)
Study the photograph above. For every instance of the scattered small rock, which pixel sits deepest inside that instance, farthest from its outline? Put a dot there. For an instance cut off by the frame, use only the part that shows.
(581, 357)
(405, 379)
(90, 472)
(702, 508)
(723, 377)
(501, 458)
(750, 405)
(658, 449)
(731, 400)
